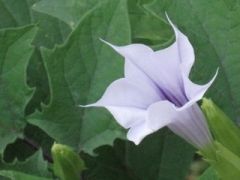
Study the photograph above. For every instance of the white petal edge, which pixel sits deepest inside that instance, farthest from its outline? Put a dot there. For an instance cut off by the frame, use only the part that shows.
(136, 49)
(124, 93)
(138, 132)
(127, 117)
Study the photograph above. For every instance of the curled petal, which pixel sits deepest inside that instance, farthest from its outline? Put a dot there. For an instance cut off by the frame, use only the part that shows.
(195, 92)
(184, 48)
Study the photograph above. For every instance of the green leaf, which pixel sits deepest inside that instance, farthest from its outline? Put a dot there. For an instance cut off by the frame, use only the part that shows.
(161, 155)
(34, 138)
(15, 52)
(19, 13)
(37, 79)
(51, 31)
(212, 27)
(224, 162)
(223, 129)
(228, 164)
(209, 174)
(14, 175)
(79, 72)
(14, 13)
(67, 164)
(34, 165)
(69, 11)
(147, 28)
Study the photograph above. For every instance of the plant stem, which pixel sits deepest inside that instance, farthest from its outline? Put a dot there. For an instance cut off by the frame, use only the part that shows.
(34, 145)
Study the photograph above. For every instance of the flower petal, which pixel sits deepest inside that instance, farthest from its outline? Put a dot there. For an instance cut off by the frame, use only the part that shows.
(160, 114)
(188, 122)
(195, 92)
(134, 74)
(124, 93)
(164, 72)
(145, 60)
(138, 132)
(127, 116)
(183, 46)
(127, 101)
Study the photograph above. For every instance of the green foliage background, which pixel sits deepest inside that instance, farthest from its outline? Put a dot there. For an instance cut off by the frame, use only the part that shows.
(51, 61)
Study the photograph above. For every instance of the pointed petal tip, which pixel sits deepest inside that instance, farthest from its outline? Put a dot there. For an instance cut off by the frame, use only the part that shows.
(101, 39)
(136, 141)
(138, 132)
(109, 44)
(214, 77)
(89, 105)
(198, 93)
(216, 72)
(116, 48)
(166, 14)
(175, 29)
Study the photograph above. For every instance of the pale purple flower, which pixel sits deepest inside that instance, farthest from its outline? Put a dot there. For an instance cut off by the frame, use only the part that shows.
(156, 92)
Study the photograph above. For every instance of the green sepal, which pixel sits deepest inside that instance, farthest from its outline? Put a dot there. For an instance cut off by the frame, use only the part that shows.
(222, 127)
(67, 164)
(209, 174)
(225, 163)
(224, 154)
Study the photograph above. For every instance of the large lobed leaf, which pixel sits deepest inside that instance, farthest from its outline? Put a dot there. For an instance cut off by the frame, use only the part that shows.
(69, 11)
(79, 71)
(15, 52)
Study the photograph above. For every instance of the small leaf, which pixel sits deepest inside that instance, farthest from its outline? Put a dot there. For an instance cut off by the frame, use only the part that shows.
(67, 164)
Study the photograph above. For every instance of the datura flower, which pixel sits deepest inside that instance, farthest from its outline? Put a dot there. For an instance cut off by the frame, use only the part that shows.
(156, 92)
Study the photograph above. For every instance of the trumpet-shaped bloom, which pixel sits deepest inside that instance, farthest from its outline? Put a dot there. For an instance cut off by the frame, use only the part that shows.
(156, 92)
